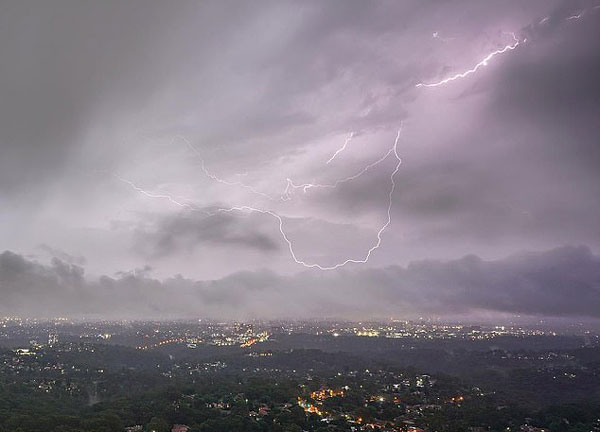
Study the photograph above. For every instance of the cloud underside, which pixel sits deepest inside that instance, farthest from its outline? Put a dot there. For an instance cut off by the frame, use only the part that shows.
(563, 282)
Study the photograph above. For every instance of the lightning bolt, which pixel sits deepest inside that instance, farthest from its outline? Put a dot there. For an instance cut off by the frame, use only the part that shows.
(482, 63)
(576, 16)
(217, 179)
(280, 219)
(306, 186)
(285, 196)
(169, 198)
(290, 185)
(510, 47)
(341, 149)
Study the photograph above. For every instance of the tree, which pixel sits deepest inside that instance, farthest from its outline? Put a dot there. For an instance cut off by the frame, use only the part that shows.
(157, 425)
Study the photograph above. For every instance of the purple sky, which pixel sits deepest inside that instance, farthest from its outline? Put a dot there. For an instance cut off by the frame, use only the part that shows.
(209, 105)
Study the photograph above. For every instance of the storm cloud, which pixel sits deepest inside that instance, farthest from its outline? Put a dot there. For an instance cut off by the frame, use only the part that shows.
(120, 123)
(185, 232)
(563, 282)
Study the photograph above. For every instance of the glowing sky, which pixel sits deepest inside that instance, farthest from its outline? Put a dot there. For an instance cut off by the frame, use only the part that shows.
(123, 124)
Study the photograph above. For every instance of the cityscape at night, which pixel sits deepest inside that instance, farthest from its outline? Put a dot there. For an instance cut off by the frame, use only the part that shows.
(386, 376)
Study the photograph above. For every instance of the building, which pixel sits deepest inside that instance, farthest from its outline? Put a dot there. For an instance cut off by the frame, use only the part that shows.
(52, 338)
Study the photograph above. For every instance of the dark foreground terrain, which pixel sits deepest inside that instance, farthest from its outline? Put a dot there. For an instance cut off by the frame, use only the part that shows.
(107, 377)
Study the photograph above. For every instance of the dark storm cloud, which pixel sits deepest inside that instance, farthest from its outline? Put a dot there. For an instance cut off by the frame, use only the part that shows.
(560, 282)
(549, 93)
(553, 85)
(29, 287)
(183, 232)
(528, 167)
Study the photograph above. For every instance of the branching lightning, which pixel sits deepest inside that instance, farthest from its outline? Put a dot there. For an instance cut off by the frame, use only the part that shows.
(170, 198)
(285, 196)
(305, 187)
(280, 219)
(213, 177)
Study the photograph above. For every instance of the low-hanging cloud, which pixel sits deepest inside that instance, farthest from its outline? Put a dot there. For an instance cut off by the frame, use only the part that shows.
(562, 282)
(183, 232)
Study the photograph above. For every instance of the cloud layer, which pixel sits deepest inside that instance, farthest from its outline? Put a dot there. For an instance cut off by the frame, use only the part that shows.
(563, 282)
